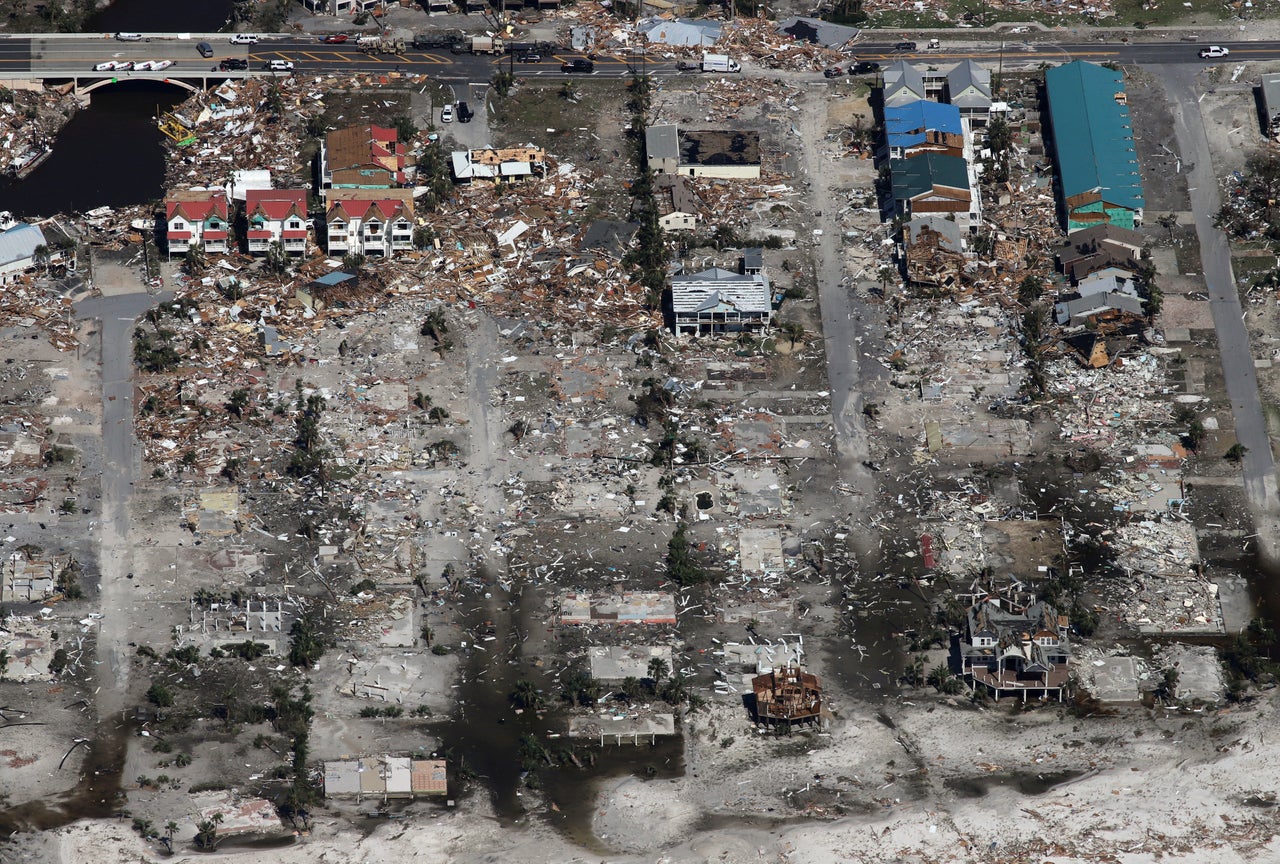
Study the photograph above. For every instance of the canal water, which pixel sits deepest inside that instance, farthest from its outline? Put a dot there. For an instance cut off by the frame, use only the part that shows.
(161, 16)
(108, 154)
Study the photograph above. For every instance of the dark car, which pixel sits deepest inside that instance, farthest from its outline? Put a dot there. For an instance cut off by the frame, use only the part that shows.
(577, 65)
(231, 64)
(905, 46)
(530, 58)
(336, 38)
(465, 113)
(865, 67)
(832, 72)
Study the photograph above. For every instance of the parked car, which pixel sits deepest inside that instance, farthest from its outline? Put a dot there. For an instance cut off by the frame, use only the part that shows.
(446, 114)
(832, 72)
(530, 58)
(1213, 52)
(578, 64)
(130, 37)
(205, 49)
(244, 39)
(335, 38)
(280, 66)
(905, 46)
(230, 64)
(465, 113)
(864, 67)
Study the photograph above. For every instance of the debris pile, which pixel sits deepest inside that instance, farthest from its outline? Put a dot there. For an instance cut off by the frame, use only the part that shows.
(29, 121)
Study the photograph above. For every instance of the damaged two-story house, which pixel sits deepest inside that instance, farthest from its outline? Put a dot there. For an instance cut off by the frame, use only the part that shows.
(1010, 647)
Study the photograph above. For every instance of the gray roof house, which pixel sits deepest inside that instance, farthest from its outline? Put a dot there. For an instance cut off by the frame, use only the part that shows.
(662, 147)
(969, 89)
(718, 301)
(1009, 647)
(902, 83)
(18, 248)
(1270, 87)
(1077, 312)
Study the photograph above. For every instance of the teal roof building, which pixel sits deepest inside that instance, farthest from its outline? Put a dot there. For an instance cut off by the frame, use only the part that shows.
(1093, 147)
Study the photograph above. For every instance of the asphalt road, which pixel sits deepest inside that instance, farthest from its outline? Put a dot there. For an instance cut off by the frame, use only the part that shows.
(77, 56)
(117, 316)
(1228, 318)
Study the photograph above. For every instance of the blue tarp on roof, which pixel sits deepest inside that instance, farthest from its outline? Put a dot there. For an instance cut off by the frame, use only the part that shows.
(905, 124)
(336, 277)
(1092, 133)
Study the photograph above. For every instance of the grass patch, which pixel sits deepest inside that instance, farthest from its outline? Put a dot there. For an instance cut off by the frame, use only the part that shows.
(1130, 13)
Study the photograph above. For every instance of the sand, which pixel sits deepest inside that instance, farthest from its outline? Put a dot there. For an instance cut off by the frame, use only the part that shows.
(1153, 787)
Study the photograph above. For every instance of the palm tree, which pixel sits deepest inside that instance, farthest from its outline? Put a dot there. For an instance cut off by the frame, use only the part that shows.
(167, 839)
(793, 330)
(238, 402)
(658, 669)
(207, 832)
(195, 260)
(277, 261)
(40, 255)
(526, 696)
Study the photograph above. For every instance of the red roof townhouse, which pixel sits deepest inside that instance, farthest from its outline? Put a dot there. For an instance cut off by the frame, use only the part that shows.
(196, 218)
(373, 225)
(276, 216)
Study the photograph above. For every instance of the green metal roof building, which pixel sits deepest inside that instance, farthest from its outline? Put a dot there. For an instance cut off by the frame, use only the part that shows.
(1093, 146)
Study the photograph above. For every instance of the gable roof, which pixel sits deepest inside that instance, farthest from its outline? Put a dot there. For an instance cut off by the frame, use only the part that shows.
(19, 243)
(720, 289)
(902, 82)
(196, 206)
(1092, 134)
(365, 147)
(818, 32)
(965, 76)
(906, 124)
(386, 209)
(276, 204)
(926, 173)
(1105, 234)
(1081, 308)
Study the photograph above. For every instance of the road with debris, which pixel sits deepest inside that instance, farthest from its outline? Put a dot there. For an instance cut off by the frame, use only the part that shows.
(59, 56)
(117, 316)
(1228, 318)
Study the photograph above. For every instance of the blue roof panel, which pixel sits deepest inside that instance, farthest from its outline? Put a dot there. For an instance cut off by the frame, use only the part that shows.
(906, 124)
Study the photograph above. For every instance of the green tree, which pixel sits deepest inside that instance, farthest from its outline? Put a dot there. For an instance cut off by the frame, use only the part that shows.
(1030, 289)
(277, 260)
(159, 695)
(1236, 452)
(4, 662)
(207, 833)
(238, 402)
(658, 669)
(306, 646)
(406, 129)
(195, 261)
(169, 829)
(526, 696)
(681, 567)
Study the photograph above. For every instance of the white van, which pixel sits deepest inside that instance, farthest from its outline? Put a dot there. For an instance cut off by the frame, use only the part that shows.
(130, 37)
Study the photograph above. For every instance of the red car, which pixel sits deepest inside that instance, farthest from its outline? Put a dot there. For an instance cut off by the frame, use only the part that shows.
(336, 39)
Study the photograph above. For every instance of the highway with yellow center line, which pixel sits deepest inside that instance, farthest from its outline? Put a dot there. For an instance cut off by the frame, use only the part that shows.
(76, 56)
